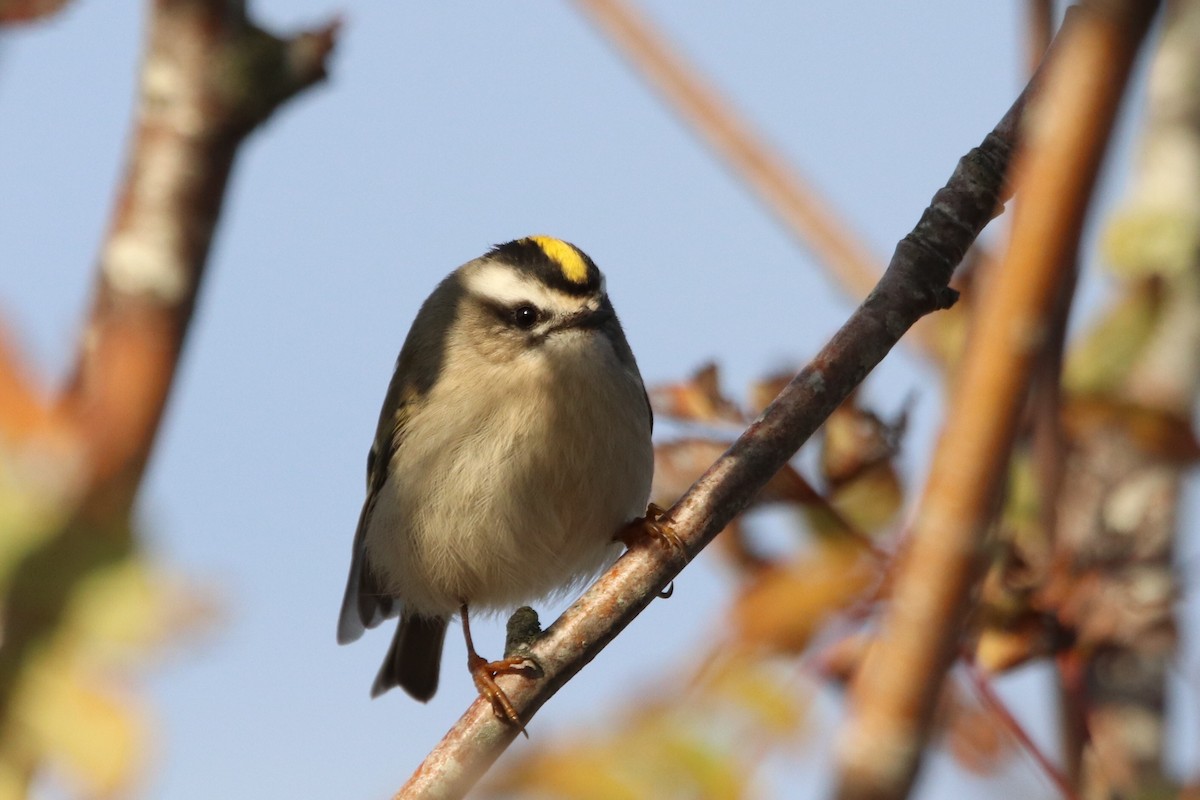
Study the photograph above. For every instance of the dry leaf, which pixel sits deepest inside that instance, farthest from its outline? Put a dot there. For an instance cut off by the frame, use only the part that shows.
(841, 659)
(1156, 432)
(855, 439)
(973, 735)
(869, 503)
(1099, 361)
(1001, 649)
(762, 392)
(697, 399)
(784, 607)
(678, 463)
(758, 690)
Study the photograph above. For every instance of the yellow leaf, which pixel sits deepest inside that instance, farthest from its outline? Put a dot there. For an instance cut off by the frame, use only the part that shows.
(130, 606)
(755, 689)
(871, 500)
(1147, 242)
(784, 607)
(1100, 360)
(96, 736)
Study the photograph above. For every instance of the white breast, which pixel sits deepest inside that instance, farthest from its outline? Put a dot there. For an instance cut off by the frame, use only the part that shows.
(499, 493)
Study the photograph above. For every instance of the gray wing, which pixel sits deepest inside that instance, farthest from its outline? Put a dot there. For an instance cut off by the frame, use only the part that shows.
(624, 353)
(365, 603)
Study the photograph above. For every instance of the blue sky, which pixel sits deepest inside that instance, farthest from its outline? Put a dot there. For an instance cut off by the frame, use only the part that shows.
(446, 128)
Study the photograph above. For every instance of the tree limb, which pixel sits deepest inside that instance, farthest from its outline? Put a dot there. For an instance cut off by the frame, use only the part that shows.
(208, 78)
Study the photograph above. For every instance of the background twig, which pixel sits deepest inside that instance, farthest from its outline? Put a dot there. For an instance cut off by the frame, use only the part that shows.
(893, 696)
(793, 200)
(209, 77)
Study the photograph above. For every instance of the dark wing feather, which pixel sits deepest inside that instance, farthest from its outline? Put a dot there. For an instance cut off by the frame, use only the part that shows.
(365, 603)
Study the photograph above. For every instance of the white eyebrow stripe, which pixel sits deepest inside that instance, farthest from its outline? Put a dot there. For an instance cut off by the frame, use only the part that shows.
(508, 287)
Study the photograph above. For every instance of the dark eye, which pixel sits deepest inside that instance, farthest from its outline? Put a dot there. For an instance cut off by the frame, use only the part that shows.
(525, 317)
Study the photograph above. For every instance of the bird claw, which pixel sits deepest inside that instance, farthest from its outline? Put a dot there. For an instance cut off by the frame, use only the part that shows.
(484, 674)
(651, 526)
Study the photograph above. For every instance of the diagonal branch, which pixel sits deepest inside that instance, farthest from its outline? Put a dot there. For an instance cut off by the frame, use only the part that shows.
(1070, 122)
(915, 284)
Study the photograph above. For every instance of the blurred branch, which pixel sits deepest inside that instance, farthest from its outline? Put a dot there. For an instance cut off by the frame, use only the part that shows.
(915, 284)
(1069, 124)
(1039, 31)
(1120, 512)
(14, 12)
(208, 78)
(1049, 452)
(1048, 446)
(988, 696)
(802, 210)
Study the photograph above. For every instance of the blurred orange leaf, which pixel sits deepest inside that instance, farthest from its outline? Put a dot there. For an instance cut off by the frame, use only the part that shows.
(870, 502)
(697, 399)
(1155, 431)
(855, 440)
(784, 607)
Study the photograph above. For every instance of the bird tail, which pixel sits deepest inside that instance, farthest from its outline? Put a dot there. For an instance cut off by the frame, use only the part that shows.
(413, 660)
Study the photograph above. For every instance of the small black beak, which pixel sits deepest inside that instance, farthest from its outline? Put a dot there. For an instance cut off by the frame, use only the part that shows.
(587, 319)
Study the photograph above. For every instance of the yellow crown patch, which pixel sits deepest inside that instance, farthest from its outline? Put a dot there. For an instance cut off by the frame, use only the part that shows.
(573, 267)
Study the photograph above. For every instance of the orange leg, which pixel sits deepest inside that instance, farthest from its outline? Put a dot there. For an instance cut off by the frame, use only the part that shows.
(484, 673)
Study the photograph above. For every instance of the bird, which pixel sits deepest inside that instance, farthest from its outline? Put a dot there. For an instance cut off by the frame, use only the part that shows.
(513, 448)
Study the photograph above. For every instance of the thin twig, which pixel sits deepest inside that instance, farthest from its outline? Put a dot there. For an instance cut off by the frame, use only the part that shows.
(915, 284)
(802, 210)
(893, 697)
(995, 704)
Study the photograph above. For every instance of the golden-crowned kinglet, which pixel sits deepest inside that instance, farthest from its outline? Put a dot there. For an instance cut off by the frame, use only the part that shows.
(513, 444)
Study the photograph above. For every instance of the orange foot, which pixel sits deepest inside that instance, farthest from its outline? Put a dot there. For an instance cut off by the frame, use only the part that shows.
(652, 527)
(484, 673)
